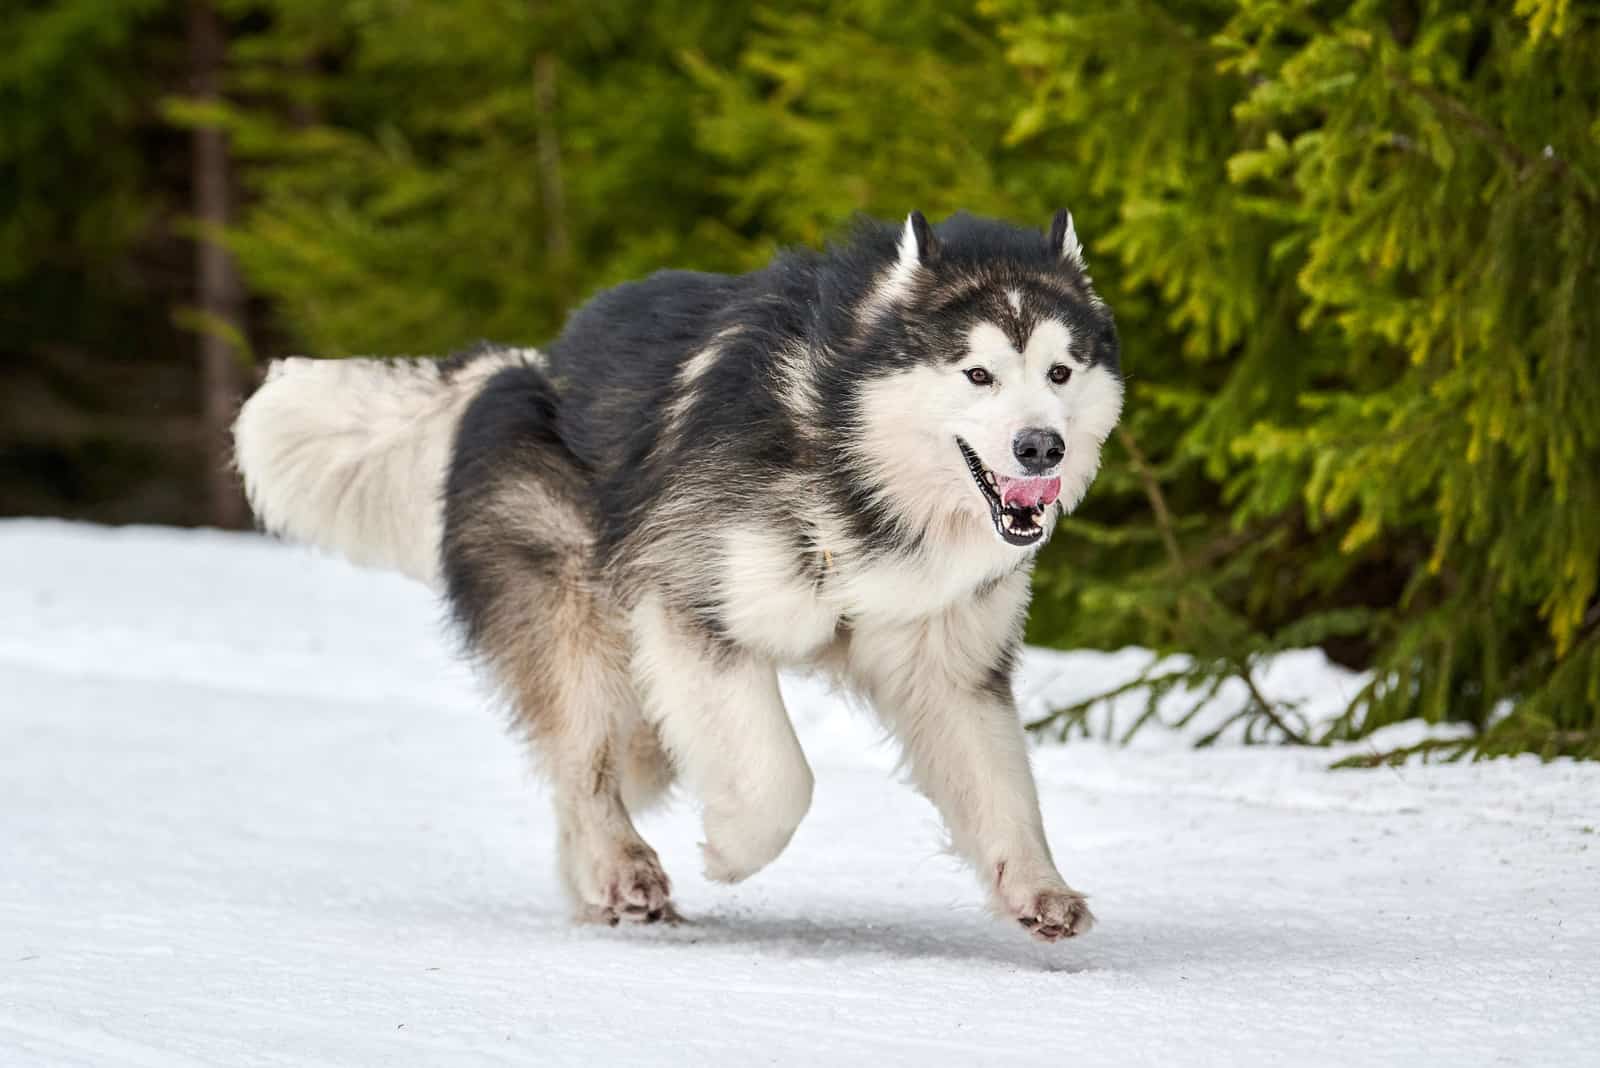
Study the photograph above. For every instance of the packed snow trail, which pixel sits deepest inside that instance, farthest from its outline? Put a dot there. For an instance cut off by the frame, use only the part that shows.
(253, 811)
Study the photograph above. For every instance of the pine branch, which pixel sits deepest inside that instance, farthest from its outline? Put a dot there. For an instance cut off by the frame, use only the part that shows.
(1169, 538)
(1453, 749)
(1266, 708)
(1510, 153)
(1158, 501)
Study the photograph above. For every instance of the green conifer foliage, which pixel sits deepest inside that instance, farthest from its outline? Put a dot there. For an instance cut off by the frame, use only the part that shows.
(1375, 252)
(427, 174)
(96, 388)
(1351, 247)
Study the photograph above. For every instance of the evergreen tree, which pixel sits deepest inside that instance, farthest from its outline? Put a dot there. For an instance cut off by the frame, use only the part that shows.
(1350, 246)
(1368, 229)
(97, 388)
(427, 175)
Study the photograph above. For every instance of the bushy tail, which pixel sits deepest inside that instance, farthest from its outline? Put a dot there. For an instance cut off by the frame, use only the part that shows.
(351, 455)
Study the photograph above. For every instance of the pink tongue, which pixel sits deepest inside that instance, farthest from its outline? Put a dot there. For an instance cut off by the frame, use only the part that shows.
(1028, 492)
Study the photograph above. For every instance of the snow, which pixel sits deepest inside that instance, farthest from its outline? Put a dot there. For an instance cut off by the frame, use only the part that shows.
(253, 811)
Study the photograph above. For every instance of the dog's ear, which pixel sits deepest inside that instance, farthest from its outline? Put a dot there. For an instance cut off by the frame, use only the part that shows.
(1064, 243)
(917, 243)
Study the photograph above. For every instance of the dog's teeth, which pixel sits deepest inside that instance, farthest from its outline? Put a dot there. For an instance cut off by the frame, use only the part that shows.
(988, 476)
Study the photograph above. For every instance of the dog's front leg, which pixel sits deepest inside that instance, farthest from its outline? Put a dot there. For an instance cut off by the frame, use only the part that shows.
(964, 746)
(719, 713)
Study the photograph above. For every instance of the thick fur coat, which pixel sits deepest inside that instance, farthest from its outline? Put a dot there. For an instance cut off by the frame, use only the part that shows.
(846, 461)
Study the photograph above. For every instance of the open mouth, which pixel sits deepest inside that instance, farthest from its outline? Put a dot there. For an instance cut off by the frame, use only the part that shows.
(1017, 505)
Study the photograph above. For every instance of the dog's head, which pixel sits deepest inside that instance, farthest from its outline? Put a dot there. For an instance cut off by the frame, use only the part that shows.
(1001, 379)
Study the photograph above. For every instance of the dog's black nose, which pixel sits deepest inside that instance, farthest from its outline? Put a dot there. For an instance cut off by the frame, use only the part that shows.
(1038, 450)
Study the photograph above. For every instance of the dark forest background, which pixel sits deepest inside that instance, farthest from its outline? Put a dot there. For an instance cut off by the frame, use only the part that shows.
(1352, 248)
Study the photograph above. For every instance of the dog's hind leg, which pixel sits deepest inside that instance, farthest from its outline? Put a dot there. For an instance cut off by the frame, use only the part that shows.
(518, 570)
(610, 873)
(559, 656)
(722, 719)
(647, 771)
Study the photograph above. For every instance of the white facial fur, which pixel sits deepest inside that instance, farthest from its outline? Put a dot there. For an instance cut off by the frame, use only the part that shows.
(912, 418)
(1021, 395)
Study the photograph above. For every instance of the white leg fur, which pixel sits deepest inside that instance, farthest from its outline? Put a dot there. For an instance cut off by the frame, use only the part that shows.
(723, 720)
(610, 873)
(965, 750)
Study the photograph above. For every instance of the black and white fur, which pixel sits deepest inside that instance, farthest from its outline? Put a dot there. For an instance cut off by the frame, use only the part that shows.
(707, 478)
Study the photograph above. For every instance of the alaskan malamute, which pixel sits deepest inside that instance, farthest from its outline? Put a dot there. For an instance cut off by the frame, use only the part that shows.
(845, 461)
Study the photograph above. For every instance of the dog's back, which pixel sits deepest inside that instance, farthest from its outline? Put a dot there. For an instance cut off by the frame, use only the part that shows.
(619, 360)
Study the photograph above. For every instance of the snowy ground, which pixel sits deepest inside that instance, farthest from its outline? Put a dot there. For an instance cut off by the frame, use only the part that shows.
(252, 812)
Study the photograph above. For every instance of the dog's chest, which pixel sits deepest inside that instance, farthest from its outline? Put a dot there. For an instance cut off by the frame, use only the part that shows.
(772, 595)
(792, 604)
(904, 590)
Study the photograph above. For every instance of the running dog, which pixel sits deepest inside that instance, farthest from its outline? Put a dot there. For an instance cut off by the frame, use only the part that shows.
(845, 461)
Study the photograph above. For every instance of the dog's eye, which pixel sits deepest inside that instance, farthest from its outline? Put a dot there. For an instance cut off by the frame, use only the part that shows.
(979, 376)
(1060, 373)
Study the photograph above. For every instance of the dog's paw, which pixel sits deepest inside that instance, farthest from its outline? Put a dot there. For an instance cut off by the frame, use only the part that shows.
(730, 867)
(1056, 914)
(732, 855)
(1050, 912)
(740, 842)
(630, 887)
(612, 917)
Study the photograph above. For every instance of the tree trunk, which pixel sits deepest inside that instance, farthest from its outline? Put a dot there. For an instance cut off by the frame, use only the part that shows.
(218, 291)
(549, 148)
